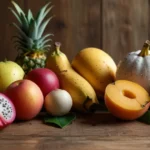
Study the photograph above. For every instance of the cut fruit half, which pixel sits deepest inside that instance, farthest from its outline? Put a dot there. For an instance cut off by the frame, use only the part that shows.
(7, 111)
(126, 100)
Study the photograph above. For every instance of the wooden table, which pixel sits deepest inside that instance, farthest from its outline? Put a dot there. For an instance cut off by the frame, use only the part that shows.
(100, 131)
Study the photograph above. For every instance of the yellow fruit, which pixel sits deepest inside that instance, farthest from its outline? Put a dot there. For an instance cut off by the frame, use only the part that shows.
(97, 67)
(126, 100)
(9, 73)
(82, 93)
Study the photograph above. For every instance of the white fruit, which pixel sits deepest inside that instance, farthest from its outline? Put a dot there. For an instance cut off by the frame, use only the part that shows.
(136, 67)
(58, 102)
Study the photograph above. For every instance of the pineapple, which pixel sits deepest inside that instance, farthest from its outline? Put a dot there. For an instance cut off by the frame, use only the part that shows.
(30, 42)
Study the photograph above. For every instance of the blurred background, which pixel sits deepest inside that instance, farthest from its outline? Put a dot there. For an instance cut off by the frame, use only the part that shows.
(116, 26)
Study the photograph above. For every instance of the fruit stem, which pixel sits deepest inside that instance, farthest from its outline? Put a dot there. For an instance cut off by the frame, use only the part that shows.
(57, 44)
(145, 49)
(98, 107)
(87, 100)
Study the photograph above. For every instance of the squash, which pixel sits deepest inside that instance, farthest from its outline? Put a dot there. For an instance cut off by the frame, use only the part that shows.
(97, 67)
(136, 67)
(82, 93)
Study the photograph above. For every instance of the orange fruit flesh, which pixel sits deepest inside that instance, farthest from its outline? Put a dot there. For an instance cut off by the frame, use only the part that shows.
(126, 100)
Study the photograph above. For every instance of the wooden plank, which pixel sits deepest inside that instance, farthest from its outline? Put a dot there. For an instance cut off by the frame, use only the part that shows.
(101, 124)
(7, 49)
(76, 25)
(87, 25)
(89, 131)
(105, 124)
(80, 143)
(125, 26)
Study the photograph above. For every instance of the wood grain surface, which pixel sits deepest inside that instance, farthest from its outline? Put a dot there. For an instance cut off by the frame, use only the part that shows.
(99, 131)
(7, 50)
(125, 26)
(116, 26)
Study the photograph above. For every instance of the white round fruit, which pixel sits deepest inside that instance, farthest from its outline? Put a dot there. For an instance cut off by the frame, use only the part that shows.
(58, 102)
(135, 67)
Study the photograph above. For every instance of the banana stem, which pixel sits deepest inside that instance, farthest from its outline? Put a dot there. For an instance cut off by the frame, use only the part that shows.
(57, 44)
(145, 49)
(98, 107)
(85, 102)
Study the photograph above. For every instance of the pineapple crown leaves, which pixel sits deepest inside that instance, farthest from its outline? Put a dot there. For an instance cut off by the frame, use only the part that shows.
(31, 28)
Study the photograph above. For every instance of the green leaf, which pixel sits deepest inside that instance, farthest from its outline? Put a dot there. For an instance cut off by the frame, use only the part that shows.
(145, 118)
(17, 37)
(42, 45)
(42, 39)
(17, 7)
(44, 15)
(30, 15)
(20, 31)
(41, 15)
(20, 48)
(47, 11)
(25, 24)
(24, 36)
(43, 26)
(60, 121)
(16, 15)
(46, 47)
(45, 42)
(33, 30)
(22, 43)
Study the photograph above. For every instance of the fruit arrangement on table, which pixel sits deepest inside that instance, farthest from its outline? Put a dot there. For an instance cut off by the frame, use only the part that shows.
(91, 82)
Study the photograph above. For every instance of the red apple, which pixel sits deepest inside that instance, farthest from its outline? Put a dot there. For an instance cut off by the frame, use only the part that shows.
(45, 79)
(27, 98)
